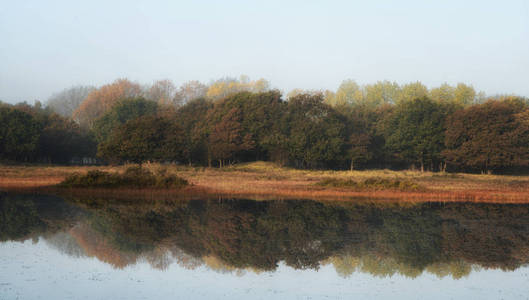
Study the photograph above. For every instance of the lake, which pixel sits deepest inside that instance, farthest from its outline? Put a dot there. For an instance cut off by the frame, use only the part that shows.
(89, 248)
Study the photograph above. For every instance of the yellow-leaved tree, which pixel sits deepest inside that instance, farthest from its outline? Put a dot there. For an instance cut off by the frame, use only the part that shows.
(227, 86)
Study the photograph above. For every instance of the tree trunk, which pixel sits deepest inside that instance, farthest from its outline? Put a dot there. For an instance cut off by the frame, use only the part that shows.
(442, 167)
(352, 165)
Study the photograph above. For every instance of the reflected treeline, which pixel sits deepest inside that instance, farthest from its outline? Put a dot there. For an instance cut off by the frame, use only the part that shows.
(236, 235)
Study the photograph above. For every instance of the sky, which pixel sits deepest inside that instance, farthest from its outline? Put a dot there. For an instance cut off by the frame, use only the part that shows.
(47, 46)
(33, 270)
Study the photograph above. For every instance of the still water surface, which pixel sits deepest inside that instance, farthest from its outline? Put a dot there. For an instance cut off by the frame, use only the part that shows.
(55, 248)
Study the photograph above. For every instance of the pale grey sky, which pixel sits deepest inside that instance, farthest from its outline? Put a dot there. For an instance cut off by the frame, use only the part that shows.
(47, 46)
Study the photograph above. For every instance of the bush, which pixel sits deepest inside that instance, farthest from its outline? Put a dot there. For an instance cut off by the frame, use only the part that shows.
(133, 177)
(171, 181)
(374, 183)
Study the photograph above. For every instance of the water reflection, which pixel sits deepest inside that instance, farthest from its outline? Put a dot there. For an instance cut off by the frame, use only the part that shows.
(451, 239)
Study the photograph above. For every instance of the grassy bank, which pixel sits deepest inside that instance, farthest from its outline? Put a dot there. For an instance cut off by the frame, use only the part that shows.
(263, 181)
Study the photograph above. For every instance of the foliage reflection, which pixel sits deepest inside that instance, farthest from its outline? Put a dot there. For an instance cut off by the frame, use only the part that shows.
(239, 235)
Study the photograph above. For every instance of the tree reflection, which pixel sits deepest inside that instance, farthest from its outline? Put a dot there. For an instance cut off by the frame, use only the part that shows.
(237, 235)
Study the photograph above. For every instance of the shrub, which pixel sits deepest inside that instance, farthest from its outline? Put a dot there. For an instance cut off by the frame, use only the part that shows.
(171, 181)
(373, 183)
(133, 177)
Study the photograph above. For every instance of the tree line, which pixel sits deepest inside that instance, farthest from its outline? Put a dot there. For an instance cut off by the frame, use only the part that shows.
(382, 125)
(36, 134)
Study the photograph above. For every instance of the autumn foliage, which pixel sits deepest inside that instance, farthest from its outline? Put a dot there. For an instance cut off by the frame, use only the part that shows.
(101, 100)
(379, 239)
(489, 137)
(380, 125)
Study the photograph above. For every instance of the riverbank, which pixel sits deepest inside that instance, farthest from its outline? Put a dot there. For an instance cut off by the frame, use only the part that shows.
(267, 181)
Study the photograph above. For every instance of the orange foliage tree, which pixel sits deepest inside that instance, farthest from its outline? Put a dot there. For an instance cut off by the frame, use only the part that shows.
(101, 100)
(493, 136)
(227, 139)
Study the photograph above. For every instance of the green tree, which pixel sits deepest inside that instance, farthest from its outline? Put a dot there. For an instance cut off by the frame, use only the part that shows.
(365, 145)
(192, 118)
(444, 93)
(348, 93)
(382, 92)
(316, 132)
(359, 151)
(143, 139)
(125, 110)
(59, 138)
(465, 94)
(415, 132)
(62, 139)
(19, 134)
(413, 91)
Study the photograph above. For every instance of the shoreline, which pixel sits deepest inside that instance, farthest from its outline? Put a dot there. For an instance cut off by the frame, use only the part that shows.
(267, 181)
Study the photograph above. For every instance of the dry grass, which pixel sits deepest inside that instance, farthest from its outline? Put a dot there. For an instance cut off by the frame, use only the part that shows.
(267, 181)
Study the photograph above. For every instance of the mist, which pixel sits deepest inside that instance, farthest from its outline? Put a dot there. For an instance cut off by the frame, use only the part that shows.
(313, 45)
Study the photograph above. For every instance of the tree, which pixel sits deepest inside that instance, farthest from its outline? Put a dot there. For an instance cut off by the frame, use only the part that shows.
(415, 131)
(260, 86)
(189, 91)
(365, 126)
(296, 92)
(464, 94)
(226, 138)
(103, 99)
(228, 86)
(315, 131)
(359, 151)
(412, 91)
(258, 113)
(444, 93)
(461, 95)
(163, 92)
(192, 118)
(19, 134)
(62, 139)
(59, 138)
(493, 136)
(142, 139)
(348, 93)
(67, 101)
(123, 111)
(222, 88)
(382, 92)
